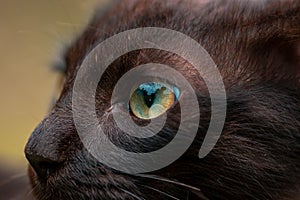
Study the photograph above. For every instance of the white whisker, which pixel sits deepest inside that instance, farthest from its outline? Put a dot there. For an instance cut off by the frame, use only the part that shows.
(159, 191)
(13, 178)
(131, 194)
(175, 182)
(192, 189)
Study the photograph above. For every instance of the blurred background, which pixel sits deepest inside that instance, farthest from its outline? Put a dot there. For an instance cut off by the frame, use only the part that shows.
(32, 34)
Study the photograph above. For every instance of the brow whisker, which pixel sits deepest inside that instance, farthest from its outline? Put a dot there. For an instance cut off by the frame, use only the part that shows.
(79, 25)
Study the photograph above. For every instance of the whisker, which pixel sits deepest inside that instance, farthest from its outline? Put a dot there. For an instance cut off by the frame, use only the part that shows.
(159, 191)
(79, 25)
(199, 194)
(192, 189)
(30, 192)
(163, 179)
(131, 194)
(13, 178)
(68, 24)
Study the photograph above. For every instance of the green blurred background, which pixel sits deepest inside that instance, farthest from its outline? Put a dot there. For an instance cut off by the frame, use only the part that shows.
(32, 33)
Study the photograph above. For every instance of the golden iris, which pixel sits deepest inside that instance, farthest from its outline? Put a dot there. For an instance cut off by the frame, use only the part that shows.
(151, 100)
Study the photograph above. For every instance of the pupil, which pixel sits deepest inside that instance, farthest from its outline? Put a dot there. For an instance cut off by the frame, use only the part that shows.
(149, 98)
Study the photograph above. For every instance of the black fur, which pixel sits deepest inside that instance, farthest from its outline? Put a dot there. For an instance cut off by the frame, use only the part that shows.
(256, 46)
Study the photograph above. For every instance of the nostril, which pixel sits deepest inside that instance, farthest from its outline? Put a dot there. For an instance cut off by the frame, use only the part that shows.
(43, 167)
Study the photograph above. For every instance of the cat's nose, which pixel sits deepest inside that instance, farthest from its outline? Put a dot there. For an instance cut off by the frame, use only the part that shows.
(47, 147)
(43, 167)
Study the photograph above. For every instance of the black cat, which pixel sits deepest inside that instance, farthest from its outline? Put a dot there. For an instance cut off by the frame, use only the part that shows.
(256, 46)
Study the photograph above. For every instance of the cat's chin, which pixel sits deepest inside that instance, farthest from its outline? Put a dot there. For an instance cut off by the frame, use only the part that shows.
(39, 187)
(45, 189)
(35, 185)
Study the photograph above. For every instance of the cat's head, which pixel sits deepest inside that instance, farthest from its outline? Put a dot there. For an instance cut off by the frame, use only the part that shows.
(256, 47)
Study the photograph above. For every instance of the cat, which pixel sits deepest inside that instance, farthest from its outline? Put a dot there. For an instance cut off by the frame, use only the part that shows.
(256, 47)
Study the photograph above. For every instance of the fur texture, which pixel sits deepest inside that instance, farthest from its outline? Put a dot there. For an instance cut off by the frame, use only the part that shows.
(256, 48)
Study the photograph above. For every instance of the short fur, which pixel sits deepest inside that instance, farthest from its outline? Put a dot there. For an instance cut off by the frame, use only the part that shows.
(256, 46)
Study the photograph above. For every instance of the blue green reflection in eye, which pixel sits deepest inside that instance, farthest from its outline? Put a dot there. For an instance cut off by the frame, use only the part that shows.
(151, 100)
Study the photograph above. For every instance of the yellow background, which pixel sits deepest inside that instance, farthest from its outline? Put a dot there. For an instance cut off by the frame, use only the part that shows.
(32, 33)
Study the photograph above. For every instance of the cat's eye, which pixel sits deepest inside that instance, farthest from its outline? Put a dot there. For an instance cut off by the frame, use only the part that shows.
(151, 100)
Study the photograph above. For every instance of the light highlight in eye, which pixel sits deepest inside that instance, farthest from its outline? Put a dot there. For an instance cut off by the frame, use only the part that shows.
(151, 100)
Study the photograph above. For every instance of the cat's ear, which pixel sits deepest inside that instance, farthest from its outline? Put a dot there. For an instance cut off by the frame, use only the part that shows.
(277, 42)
